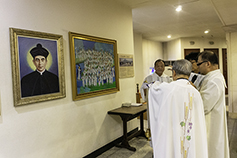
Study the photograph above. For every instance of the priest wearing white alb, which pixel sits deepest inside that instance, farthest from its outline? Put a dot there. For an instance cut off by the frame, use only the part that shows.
(158, 75)
(213, 95)
(177, 119)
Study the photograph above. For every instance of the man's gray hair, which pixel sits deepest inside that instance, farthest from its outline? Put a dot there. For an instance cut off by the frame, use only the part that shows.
(182, 67)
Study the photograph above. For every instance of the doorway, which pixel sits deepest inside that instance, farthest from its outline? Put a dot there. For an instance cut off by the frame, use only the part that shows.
(188, 51)
(214, 50)
(224, 61)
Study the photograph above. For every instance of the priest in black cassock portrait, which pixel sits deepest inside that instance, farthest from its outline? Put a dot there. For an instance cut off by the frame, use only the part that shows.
(40, 81)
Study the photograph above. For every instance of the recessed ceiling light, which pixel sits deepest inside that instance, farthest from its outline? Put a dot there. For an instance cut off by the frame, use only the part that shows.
(179, 8)
(169, 36)
(207, 31)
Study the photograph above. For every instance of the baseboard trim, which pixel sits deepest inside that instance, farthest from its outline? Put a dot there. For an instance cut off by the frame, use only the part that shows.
(109, 145)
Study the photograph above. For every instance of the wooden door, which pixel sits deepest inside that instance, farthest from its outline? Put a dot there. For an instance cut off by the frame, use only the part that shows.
(214, 50)
(188, 51)
(224, 59)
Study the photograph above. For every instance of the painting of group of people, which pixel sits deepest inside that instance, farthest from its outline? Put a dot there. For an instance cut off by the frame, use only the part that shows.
(95, 67)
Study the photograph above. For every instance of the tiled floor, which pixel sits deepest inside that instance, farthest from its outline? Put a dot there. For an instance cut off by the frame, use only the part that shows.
(232, 134)
(145, 151)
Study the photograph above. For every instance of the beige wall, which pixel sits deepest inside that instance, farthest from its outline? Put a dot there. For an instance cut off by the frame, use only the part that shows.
(151, 51)
(138, 56)
(62, 128)
(173, 50)
(146, 52)
(232, 76)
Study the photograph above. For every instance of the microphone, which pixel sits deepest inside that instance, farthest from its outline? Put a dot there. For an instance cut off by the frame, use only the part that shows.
(194, 78)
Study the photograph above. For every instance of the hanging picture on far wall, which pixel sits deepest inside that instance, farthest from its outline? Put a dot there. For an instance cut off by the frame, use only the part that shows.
(126, 68)
(37, 66)
(94, 66)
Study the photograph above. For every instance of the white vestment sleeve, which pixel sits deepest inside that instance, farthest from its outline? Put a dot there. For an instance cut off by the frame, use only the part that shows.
(210, 95)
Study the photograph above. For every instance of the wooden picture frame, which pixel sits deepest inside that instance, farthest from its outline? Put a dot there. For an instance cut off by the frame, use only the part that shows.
(28, 85)
(94, 66)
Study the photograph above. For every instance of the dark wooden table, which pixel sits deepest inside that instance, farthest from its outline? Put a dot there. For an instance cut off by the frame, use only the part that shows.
(127, 114)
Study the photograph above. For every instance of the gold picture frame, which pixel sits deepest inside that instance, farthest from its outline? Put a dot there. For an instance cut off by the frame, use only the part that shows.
(94, 66)
(28, 88)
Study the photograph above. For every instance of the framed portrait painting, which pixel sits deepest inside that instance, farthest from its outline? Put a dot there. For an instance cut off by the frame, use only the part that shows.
(94, 66)
(37, 66)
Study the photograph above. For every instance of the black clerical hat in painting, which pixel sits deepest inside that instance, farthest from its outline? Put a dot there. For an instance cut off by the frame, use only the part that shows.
(39, 50)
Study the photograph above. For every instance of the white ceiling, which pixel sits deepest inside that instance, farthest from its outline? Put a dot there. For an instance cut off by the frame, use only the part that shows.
(155, 19)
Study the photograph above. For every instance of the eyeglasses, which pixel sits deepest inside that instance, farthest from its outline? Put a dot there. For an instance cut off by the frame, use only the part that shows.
(198, 64)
